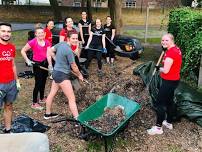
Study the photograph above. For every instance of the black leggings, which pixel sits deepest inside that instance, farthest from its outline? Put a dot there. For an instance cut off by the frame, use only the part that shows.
(40, 81)
(110, 49)
(165, 104)
(91, 54)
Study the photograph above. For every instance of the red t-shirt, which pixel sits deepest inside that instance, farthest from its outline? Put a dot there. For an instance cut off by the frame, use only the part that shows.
(174, 73)
(7, 55)
(49, 35)
(64, 32)
(73, 47)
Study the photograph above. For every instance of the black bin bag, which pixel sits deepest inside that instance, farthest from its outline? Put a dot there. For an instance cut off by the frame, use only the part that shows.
(24, 123)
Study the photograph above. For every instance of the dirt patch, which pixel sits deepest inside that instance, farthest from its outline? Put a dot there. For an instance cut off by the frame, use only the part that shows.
(185, 137)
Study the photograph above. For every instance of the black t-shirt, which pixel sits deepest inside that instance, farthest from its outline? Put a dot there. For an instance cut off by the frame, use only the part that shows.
(97, 36)
(85, 26)
(108, 30)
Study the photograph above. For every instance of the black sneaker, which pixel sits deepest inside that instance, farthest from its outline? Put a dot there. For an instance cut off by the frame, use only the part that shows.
(51, 115)
(5, 131)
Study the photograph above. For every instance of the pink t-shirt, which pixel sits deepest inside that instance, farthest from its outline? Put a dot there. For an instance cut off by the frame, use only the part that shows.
(39, 52)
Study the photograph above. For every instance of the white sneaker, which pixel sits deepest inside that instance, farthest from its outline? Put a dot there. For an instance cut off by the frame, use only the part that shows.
(167, 125)
(155, 130)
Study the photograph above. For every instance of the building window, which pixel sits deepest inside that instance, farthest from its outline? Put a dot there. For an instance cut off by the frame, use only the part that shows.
(98, 3)
(77, 4)
(130, 3)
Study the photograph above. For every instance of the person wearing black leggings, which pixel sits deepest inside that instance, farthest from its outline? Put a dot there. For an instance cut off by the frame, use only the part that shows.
(96, 45)
(40, 76)
(110, 33)
(170, 75)
(39, 46)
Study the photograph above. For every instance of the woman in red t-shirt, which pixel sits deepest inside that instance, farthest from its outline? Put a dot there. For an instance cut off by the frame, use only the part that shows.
(64, 33)
(48, 32)
(170, 74)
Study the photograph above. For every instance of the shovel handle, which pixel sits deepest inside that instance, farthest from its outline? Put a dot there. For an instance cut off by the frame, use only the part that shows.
(157, 64)
(77, 76)
(41, 67)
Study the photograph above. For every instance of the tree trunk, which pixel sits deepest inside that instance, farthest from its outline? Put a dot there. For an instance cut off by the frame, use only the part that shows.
(112, 10)
(89, 9)
(56, 10)
(116, 14)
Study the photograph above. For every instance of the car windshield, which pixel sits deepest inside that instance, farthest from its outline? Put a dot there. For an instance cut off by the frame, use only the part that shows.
(59, 25)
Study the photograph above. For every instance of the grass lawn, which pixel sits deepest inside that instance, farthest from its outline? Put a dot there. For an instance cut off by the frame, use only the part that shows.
(19, 39)
(153, 35)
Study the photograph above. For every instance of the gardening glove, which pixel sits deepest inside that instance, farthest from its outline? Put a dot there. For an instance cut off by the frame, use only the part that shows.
(163, 48)
(50, 69)
(104, 50)
(157, 67)
(18, 84)
(29, 63)
(86, 47)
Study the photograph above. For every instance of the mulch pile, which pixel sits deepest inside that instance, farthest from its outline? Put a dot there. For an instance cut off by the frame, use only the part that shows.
(110, 119)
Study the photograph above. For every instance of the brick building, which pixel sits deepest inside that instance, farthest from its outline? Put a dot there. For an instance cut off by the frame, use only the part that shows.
(126, 3)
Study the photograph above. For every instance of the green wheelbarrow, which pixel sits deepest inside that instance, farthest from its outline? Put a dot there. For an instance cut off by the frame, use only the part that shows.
(97, 109)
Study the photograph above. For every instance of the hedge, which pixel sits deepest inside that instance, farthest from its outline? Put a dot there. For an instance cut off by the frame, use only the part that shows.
(186, 26)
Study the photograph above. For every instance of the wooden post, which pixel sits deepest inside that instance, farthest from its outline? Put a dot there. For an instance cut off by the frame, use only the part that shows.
(146, 25)
(200, 75)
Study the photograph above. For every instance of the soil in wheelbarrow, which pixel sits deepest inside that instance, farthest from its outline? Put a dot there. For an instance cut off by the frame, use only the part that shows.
(109, 120)
(63, 137)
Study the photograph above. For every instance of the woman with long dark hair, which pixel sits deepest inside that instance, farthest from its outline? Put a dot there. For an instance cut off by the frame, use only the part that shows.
(48, 32)
(110, 33)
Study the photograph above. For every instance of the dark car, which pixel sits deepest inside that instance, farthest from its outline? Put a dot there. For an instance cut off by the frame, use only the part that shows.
(129, 46)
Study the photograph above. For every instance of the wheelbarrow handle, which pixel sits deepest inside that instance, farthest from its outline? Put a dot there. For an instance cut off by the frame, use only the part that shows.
(65, 119)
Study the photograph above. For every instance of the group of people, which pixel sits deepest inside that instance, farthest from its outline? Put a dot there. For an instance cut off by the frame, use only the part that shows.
(95, 40)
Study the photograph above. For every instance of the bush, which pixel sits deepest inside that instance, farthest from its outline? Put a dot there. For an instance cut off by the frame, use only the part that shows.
(185, 25)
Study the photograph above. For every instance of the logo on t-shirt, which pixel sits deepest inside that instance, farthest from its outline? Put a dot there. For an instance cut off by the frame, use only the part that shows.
(6, 55)
(98, 33)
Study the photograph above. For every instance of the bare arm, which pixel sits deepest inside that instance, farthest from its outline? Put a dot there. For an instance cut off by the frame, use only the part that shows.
(15, 70)
(89, 39)
(76, 71)
(62, 38)
(113, 34)
(50, 54)
(24, 50)
(103, 41)
(167, 65)
(81, 32)
(89, 28)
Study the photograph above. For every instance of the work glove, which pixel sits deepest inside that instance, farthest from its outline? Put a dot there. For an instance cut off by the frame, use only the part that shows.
(29, 63)
(104, 50)
(163, 48)
(50, 69)
(157, 67)
(18, 84)
(86, 47)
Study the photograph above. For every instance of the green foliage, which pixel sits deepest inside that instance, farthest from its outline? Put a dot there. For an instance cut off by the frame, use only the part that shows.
(185, 25)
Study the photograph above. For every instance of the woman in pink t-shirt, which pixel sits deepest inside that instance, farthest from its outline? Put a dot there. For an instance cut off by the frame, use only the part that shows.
(39, 47)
